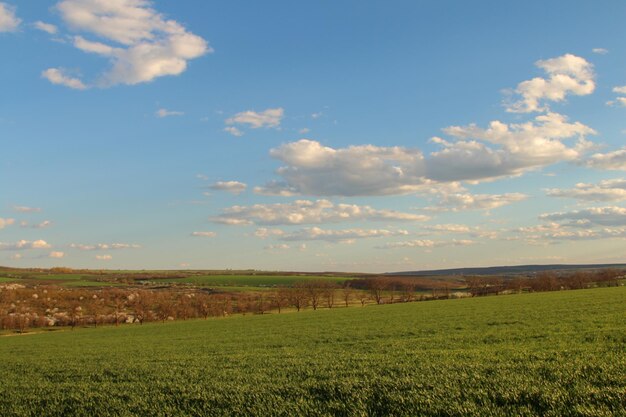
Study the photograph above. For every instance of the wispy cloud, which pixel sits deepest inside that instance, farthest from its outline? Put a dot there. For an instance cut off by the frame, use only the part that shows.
(46, 27)
(26, 209)
(309, 212)
(161, 113)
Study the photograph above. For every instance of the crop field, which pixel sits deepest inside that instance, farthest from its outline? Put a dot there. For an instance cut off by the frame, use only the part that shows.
(542, 354)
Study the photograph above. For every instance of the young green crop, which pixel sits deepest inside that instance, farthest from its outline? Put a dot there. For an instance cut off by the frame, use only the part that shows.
(546, 354)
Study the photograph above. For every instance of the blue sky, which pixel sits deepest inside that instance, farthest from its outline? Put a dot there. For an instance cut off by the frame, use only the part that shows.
(331, 135)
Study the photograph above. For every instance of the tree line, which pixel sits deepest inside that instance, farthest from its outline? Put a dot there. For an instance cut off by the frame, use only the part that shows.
(22, 307)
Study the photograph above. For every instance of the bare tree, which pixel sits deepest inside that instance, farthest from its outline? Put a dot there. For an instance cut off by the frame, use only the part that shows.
(347, 293)
(377, 287)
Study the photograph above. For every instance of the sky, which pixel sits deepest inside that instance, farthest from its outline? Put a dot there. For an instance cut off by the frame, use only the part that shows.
(351, 135)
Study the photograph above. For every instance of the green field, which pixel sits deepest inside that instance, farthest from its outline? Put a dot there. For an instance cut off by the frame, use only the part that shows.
(6, 279)
(251, 280)
(543, 354)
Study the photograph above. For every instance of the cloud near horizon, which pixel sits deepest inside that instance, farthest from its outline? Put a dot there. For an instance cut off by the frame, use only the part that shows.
(309, 212)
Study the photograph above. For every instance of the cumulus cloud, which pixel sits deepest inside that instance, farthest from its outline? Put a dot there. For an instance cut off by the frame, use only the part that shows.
(233, 187)
(9, 22)
(426, 243)
(25, 209)
(203, 234)
(104, 246)
(255, 120)
(59, 76)
(46, 27)
(340, 236)
(104, 257)
(606, 190)
(600, 51)
(567, 74)
(308, 212)
(612, 161)
(466, 201)
(25, 244)
(6, 222)
(474, 154)
(139, 42)
(56, 255)
(161, 113)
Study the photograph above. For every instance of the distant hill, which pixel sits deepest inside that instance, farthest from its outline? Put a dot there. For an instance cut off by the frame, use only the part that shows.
(506, 270)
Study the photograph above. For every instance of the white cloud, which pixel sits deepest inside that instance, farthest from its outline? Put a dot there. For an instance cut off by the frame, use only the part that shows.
(304, 130)
(25, 209)
(612, 161)
(9, 22)
(167, 113)
(464, 202)
(25, 244)
(104, 257)
(56, 255)
(475, 154)
(142, 44)
(16, 256)
(308, 212)
(58, 76)
(46, 27)
(233, 131)
(606, 190)
(6, 222)
(619, 101)
(233, 187)
(340, 236)
(203, 234)
(426, 244)
(104, 246)
(256, 120)
(600, 51)
(567, 74)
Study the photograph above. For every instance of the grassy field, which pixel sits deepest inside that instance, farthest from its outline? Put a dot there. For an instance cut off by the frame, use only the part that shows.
(544, 354)
(251, 280)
